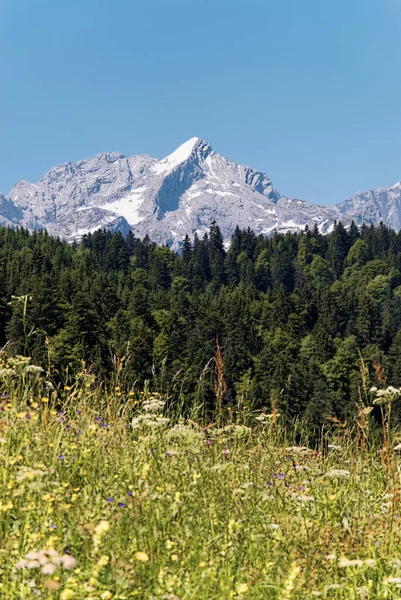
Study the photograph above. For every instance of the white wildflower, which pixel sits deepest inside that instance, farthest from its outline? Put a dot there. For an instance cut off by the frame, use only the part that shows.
(68, 562)
(153, 405)
(305, 498)
(33, 555)
(334, 586)
(33, 369)
(48, 569)
(338, 473)
(344, 563)
(21, 564)
(298, 449)
(28, 473)
(7, 372)
(388, 395)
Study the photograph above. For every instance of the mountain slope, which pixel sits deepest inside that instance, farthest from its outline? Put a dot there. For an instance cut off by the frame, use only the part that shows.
(373, 206)
(182, 193)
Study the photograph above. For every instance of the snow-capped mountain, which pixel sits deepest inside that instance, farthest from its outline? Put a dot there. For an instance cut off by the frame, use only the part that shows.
(56, 201)
(182, 193)
(373, 206)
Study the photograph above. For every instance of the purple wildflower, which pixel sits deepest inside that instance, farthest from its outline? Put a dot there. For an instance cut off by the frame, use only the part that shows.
(61, 457)
(109, 500)
(27, 416)
(130, 493)
(121, 505)
(53, 526)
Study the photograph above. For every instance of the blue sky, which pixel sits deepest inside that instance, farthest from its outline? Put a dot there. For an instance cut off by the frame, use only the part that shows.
(308, 91)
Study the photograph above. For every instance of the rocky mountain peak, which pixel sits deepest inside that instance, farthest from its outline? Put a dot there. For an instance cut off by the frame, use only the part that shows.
(192, 150)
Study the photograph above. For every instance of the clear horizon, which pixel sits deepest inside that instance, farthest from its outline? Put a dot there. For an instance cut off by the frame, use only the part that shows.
(308, 94)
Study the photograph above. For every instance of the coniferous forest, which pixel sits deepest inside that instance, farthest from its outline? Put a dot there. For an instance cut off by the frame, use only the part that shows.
(301, 323)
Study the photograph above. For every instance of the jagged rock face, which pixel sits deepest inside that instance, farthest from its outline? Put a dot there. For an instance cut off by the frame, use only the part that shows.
(374, 206)
(59, 195)
(183, 193)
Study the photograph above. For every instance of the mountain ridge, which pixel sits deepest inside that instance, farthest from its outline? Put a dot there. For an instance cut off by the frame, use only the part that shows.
(179, 194)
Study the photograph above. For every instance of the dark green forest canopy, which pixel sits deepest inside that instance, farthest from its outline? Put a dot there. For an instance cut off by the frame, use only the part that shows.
(293, 314)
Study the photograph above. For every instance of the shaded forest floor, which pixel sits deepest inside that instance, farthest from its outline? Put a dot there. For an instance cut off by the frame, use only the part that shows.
(93, 506)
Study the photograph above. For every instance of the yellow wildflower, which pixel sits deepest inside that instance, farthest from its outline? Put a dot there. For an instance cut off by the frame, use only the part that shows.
(103, 561)
(101, 528)
(67, 594)
(141, 556)
(242, 588)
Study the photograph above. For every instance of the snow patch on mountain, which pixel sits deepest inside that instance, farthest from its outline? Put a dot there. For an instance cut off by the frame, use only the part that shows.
(177, 157)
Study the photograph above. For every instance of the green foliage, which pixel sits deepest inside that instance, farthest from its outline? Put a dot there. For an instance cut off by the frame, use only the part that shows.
(103, 494)
(291, 313)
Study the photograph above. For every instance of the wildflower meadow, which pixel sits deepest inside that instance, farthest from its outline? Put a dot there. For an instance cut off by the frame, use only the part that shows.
(105, 495)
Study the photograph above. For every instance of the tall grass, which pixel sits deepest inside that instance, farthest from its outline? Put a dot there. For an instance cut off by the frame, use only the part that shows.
(130, 503)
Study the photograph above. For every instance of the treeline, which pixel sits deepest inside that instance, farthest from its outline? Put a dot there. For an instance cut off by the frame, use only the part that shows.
(304, 322)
